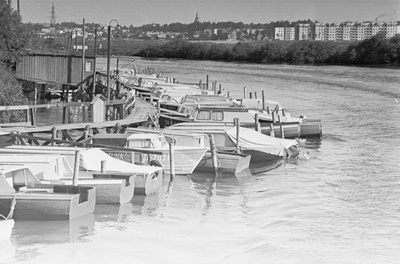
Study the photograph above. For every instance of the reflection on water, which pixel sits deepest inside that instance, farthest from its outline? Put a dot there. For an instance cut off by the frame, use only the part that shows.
(51, 232)
(338, 206)
(29, 237)
(125, 213)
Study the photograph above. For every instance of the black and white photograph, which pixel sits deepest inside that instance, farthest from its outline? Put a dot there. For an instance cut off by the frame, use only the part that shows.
(199, 132)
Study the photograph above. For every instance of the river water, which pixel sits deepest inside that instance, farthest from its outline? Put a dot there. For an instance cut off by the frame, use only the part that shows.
(340, 206)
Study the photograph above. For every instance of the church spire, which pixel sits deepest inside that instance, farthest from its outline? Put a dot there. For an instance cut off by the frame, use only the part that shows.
(196, 19)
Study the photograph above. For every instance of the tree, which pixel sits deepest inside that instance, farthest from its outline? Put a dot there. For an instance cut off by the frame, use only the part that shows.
(13, 37)
(10, 94)
(12, 45)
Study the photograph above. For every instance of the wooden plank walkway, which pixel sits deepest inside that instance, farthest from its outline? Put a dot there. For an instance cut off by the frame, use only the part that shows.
(139, 114)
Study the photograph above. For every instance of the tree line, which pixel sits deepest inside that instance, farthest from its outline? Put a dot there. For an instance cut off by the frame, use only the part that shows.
(375, 50)
(13, 41)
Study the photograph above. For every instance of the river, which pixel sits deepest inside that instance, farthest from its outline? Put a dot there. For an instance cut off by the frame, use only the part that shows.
(340, 206)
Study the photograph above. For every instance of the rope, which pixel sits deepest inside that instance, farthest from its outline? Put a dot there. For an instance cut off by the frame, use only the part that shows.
(12, 207)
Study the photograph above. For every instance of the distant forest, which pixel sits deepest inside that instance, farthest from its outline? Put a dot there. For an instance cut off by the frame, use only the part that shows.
(375, 50)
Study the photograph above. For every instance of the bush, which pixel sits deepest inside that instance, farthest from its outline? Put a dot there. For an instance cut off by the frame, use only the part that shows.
(10, 94)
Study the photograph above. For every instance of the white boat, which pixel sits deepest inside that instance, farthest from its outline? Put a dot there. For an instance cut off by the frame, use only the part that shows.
(143, 179)
(227, 162)
(186, 157)
(26, 198)
(148, 179)
(261, 147)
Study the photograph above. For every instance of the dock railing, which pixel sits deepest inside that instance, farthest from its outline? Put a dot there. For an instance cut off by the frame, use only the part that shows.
(65, 113)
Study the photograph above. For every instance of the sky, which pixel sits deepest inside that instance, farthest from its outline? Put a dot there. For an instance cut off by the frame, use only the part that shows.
(140, 12)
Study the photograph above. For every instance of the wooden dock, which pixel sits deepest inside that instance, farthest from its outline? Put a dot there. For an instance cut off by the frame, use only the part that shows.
(142, 113)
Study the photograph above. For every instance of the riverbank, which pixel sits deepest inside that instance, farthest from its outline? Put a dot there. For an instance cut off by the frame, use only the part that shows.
(378, 50)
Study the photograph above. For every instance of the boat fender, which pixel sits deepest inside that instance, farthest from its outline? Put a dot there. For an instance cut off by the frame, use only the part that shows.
(155, 163)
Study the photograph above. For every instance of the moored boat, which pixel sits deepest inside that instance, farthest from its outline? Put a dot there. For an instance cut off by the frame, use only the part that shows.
(261, 147)
(228, 162)
(22, 192)
(124, 178)
(186, 157)
(54, 168)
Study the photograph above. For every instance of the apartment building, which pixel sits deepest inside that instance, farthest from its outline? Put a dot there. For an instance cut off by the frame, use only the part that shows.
(279, 33)
(391, 29)
(319, 31)
(345, 31)
(290, 33)
(284, 33)
(303, 32)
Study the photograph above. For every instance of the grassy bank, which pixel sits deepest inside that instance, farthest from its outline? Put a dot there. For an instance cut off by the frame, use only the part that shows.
(377, 50)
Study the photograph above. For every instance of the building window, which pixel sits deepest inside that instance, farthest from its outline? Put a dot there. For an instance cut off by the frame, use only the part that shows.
(89, 66)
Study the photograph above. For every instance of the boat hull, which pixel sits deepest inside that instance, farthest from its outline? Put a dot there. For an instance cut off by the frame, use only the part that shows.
(110, 188)
(228, 163)
(67, 202)
(144, 184)
(186, 159)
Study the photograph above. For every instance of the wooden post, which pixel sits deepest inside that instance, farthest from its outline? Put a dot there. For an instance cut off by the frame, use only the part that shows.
(213, 153)
(121, 111)
(237, 124)
(250, 95)
(255, 95)
(244, 92)
(263, 99)
(65, 114)
(67, 93)
(86, 132)
(76, 167)
(35, 94)
(271, 130)
(257, 123)
(27, 115)
(158, 108)
(215, 87)
(53, 134)
(220, 89)
(207, 81)
(32, 114)
(171, 159)
(281, 127)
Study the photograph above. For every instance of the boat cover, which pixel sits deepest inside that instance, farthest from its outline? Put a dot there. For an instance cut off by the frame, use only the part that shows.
(253, 140)
(91, 160)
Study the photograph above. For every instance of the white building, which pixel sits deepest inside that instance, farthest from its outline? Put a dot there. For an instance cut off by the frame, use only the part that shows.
(290, 33)
(303, 32)
(279, 33)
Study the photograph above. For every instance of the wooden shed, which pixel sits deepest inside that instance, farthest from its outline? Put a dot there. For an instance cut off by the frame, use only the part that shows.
(53, 67)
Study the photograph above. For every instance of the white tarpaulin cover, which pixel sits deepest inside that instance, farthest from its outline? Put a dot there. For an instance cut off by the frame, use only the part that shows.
(250, 139)
(91, 160)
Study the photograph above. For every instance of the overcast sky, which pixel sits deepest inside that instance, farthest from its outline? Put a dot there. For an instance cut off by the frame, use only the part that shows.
(140, 12)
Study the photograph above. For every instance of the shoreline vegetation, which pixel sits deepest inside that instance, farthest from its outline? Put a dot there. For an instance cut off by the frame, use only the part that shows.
(377, 50)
